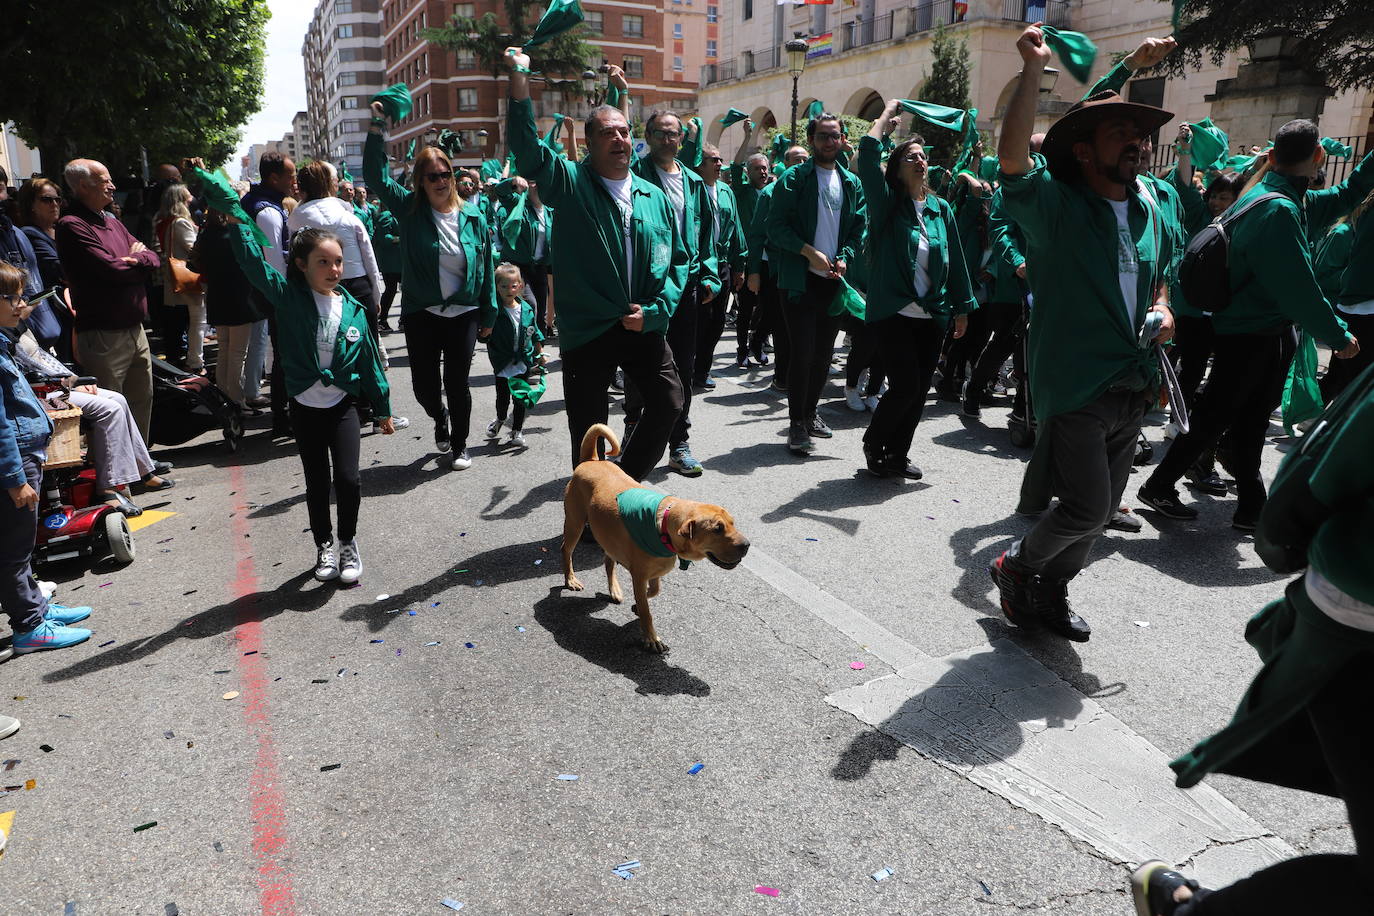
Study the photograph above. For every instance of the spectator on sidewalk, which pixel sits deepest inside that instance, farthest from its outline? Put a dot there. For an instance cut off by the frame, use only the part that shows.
(176, 233)
(229, 305)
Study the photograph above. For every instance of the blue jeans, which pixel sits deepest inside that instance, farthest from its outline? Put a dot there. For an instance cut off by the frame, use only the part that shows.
(255, 360)
(20, 597)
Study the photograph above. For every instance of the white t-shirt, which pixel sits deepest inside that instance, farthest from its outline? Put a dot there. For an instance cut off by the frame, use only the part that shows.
(713, 200)
(270, 222)
(453, 262)
(672, 186)
(620, 190)
(921, 268)
(829, 203)
(1127, 259)
(517, 365)
(541, 231)
(330, 308)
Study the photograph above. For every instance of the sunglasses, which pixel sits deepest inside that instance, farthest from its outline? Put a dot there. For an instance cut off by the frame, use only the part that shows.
(436, 177)
(50, 200)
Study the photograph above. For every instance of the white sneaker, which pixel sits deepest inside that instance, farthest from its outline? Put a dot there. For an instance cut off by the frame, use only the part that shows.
(494, 429)
(327, 562)
(462, 461)
(1171, 430)
(517, 438)
(47, 588)
(856, 403)
(8, 726)
(397, 423)
(872, 401)
(350, 563)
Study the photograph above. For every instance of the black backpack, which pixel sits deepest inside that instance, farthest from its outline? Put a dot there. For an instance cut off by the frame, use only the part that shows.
(1204, 274)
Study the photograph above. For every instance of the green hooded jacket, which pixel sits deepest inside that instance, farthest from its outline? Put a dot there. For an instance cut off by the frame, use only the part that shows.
(594, 292)
(364, 214)
(701, 258)
(792, 222)
(894, 236)
(520, 228)
(420, 287)
(357, 365)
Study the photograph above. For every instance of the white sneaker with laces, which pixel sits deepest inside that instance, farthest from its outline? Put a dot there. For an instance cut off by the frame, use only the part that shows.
(494, 429)
(327, 562)
(517, 438)
(8, 726)
(462, 461)
(350, 563)
(855, 402)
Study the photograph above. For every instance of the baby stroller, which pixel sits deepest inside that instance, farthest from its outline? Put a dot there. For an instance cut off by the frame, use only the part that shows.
(186, 405)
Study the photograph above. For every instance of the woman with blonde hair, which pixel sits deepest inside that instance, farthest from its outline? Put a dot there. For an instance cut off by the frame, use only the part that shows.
(176, 234)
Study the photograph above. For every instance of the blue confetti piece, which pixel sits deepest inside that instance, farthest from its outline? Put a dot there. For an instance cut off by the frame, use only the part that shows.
(881, 874)
(436, 604)
(633, 863)
(375, 641)
(69, 909)
(622, 873)
(987, 890)
(696, 768)
(469, 645)
(567, 777)
(451, 903)
(479, 582)
(519, 629)
(412, 613)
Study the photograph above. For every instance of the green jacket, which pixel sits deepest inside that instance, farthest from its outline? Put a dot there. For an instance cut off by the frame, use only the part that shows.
(364, 214)
(519, 228)
(894, 237)
(386, 242)
(792, 222)
(1112, 81)
(756, 233)
(594, 292)
(503, 347)
(701, 258)
(975, 229)
(1171, 208)
(731, 247)
(1007, 245)
(420, 243)
(1080, 341)
(1272, 281)
(357, 366)
(747, 198)
(1330, 257)
(1357, 281)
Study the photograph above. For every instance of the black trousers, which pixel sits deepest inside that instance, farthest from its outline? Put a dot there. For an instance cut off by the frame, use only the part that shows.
(768, 322)
(326, 436)
(1325, 883)
(863, 354)
(682, 341)
(504, 399)
(648, 362)
(746, 307)
(1342, 372)
(443, 347)
(711, 325)
(1003, 320)
(1193, 340)
(1245, 385)
(536, 277)
(909, 348)
(811, 337)
(20, 597)
(391, 283)
(961, 353)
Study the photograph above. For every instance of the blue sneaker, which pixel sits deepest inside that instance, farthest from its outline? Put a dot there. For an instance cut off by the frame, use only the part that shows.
(66, 616)
(48, 635)
(683, 462)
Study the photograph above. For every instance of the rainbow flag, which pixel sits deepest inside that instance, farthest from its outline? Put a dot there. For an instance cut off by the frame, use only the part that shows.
(806, 2)
(819, 45)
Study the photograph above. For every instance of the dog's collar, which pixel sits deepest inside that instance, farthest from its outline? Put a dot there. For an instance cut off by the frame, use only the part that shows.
(663, 530)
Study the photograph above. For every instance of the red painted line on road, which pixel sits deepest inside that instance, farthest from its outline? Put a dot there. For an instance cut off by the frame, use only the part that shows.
(275, 890)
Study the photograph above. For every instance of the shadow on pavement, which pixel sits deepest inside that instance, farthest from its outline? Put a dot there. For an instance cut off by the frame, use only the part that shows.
(853, 492)
(615, 647)
(745, 459)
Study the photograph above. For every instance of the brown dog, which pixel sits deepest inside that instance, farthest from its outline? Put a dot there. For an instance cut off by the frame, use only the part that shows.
(683, 529)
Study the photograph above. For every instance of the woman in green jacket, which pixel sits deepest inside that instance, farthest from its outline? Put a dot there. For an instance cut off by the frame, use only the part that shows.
(447, 295)
(917, 281)
(1354, 300)
(331, 363)
(386, 244)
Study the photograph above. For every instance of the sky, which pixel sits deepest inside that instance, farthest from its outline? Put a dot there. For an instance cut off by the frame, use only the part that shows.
(284, 89)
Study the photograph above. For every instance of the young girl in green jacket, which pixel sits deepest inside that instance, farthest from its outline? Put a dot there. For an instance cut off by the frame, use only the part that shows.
(515, 352)
(331, 362)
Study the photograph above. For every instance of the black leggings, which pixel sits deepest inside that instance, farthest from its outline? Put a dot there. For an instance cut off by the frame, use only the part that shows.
(390, 283)
(1193, 340)
(448, 343)
(811, 338)
(503, 402)
(863, 354)
(1004, 322)
(326, 435)
(909, 348)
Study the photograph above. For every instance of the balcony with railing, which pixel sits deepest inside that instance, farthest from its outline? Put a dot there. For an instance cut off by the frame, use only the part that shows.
(859, 32)
(1050, 12)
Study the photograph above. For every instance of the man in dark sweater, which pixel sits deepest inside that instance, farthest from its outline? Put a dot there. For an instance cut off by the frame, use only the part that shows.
(107, 270)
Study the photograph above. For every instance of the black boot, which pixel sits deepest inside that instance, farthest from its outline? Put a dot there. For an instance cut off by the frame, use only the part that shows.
(1050, 603)
(877, 461)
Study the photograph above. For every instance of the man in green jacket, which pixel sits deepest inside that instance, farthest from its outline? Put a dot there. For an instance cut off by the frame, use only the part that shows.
(622, 267)
(1100, 256)
(687, 196)
(763, 277)
(527, 235)
(727, 237)
(750, 181)
(1272, 288)
(816, 223)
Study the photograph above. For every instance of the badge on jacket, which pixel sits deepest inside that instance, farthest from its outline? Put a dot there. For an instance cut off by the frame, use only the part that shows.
(353, 335)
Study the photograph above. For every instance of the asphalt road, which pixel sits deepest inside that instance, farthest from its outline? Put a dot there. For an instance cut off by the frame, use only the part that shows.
(400, 743)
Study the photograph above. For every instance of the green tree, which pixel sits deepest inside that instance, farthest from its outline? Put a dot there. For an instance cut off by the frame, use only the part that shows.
(947, 84)
(1337, 35)
(487, 38)
(175, 77)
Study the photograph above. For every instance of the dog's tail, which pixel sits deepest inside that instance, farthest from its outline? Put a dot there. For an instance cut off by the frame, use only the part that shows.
(599, 431)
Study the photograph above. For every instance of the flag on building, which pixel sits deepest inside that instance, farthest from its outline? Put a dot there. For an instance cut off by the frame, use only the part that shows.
(805, 2)
(819, 45)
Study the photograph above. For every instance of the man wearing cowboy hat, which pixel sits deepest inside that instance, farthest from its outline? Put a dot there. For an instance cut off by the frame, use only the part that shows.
(1101, 251)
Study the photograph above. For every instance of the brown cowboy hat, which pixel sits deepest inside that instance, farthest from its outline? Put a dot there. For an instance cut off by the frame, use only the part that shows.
(1080, 121)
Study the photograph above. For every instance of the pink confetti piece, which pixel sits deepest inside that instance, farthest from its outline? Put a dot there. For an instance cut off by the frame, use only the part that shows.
(857, 666)
(103, 584)
(766, 891)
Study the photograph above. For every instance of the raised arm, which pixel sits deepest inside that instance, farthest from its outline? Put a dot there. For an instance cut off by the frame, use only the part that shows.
(533, 159)
(393, 196)
(1150, 52)
(1019, 121)
(619, 96)
(265, 278)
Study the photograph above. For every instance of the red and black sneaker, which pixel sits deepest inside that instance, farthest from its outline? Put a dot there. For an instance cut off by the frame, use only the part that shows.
(1013, 583)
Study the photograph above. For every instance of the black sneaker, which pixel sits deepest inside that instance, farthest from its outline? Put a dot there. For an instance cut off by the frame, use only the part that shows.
(1013, 590)
(1049, 600)
(899, 465)
(441, 438)
(1245, 520)
(970, 406)
(1206, 480)
(949, 391)
(761, 357)
(819, 429)
(1153, 886)
(799, 440)
(877, 461)
(1166, 503)
(1144, 451)
(742, 361)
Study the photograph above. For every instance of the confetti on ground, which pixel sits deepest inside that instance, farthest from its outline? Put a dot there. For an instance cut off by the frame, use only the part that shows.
(320, 680)
(142, 827)
(103, 584)
(626, 866)
(383, 597)
(219, 847)
(341, 672)
(412, 613)
(30, 785)
(451, 903)
(696, 768)
(70, 908)
(108, 642)
(230, 695)
(1142, 623)
(857, 666)
(469, 645)
(11, 764)
(519, 629)
(375, 641)
(538, 562)
(567, 777)
(434, 643)
(251, 652)
(766, 891)
(171, 910)
(168, 735)
(987, 890)
(816, 540)
(330, 766)
(45, 748)
(881, 874)
(460, 570)
(222, 671)
(436, 604)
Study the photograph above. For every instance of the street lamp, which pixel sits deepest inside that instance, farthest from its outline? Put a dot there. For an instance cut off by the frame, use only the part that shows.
(796, 62)
(1048, 77)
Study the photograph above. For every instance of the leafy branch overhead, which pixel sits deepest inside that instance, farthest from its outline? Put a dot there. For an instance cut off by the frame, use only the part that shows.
(486, 37)
(1337, 35)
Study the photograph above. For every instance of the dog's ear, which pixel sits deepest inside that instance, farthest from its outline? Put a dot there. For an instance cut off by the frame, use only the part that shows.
(688, 530)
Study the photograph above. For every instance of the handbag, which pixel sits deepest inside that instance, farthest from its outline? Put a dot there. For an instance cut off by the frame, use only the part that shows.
(185, 282)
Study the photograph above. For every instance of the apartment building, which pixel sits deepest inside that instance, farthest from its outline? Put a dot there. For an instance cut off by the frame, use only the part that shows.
(451, 91)
(866, 52)
(693, 28)
(342, 54)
